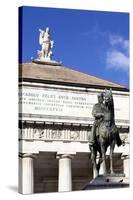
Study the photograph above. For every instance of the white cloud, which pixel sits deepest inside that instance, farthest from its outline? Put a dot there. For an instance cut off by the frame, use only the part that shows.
(117, 56)
(117, 60)
(115, 39)
(119, 41)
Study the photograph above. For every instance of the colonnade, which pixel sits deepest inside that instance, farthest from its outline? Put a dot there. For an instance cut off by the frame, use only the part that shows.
(26, 170)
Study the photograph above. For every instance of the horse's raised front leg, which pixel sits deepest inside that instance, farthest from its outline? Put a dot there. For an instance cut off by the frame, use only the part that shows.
(93, 158)
(104, 159)
(112, 146)
(95, 171)
(99, 164)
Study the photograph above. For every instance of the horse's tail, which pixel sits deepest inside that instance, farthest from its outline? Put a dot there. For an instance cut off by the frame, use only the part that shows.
(118, 139)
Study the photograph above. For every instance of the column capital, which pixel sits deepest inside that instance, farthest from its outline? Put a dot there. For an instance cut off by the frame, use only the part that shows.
(27, 155)
(60, 156)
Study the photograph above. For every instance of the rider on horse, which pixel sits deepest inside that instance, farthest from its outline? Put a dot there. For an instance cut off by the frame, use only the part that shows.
(104, 131)
(98, 114)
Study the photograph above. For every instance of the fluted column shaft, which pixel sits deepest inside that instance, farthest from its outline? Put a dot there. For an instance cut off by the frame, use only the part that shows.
(125, 159)
(26, 174)
(65, 174)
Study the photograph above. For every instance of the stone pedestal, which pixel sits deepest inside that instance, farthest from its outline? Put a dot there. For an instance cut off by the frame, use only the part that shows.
(47, 62)
(65, 175)
(108, 181)
(26, 176)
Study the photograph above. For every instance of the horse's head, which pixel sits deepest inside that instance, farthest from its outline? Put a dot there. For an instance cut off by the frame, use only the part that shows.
(108, 97)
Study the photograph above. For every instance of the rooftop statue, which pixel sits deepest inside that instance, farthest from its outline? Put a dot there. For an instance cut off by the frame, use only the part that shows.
(46, 45)
(104, 132)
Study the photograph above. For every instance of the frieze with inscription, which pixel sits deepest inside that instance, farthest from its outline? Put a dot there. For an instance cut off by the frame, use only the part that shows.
(52, 102)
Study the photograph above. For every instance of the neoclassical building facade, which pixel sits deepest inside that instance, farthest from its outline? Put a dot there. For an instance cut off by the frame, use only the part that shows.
(55, 120)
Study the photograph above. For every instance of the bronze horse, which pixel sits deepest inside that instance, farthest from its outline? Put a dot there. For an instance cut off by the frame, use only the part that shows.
(107, 134)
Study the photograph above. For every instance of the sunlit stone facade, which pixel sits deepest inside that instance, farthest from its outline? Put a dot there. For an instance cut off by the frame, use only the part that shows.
(55, 124)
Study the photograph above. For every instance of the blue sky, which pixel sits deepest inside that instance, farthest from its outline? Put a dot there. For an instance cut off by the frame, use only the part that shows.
(94, 42)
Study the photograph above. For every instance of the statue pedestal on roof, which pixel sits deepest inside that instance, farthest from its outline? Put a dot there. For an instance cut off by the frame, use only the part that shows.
(45, 54)
(47, 62)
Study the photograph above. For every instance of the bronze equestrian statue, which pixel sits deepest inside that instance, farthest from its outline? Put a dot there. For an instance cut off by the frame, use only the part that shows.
(104, 131)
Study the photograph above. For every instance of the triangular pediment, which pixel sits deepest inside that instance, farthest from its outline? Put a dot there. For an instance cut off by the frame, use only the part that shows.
(63, 74)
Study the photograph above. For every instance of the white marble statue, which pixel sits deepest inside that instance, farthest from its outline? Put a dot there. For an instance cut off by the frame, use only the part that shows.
(46, 44)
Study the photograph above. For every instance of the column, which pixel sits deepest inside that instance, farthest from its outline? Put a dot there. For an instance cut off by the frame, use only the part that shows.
(65, 175)
(26, 175)
(125, 159)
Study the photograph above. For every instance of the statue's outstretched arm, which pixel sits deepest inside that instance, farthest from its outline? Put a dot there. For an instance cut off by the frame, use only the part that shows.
(40, 30)
(41, 36)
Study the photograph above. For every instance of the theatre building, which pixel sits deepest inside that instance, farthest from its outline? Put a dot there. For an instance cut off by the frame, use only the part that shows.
(55, 123)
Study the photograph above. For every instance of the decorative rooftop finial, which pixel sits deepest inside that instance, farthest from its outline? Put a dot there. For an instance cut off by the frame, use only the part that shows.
(45, 54)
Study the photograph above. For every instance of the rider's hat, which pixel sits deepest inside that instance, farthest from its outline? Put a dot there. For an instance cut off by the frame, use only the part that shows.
(100, 95)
